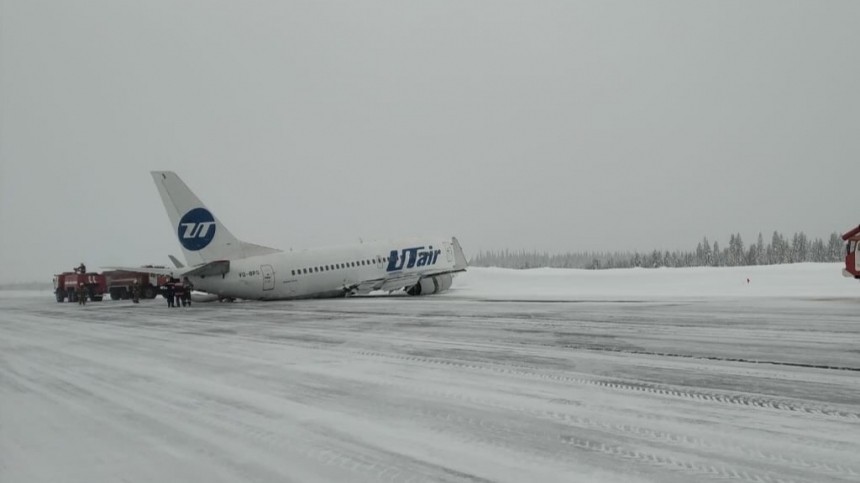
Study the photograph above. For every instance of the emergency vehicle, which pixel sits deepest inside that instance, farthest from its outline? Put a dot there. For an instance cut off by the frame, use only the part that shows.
(66, 286)
(852, 262)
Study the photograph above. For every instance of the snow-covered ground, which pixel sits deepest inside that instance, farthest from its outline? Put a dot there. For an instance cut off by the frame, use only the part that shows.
(543, 375)
(798, 280)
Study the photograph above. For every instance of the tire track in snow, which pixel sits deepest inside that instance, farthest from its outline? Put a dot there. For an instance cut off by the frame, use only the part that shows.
(728, 398)
(685, 466)
(626, 430)
(712, 358)
(229, 418)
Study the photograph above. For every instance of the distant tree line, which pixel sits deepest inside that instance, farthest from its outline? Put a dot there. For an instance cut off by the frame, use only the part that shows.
(799, 248)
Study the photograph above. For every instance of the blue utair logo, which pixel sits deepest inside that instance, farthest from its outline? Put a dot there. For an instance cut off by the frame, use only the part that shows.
(412, 257)
(196, 229)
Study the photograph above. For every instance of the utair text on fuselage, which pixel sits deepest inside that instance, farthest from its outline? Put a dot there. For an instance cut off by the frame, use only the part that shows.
(412, 257)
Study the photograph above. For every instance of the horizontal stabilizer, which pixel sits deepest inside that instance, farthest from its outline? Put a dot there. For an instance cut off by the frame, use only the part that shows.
(176, 262)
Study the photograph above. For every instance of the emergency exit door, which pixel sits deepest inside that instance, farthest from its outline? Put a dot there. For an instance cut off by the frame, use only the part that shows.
(268, 277)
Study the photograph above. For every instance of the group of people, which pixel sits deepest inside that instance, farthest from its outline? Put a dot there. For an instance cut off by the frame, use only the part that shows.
(178, 293)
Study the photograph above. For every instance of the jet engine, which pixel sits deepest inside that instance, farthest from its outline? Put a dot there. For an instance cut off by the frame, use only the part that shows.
(431, 285)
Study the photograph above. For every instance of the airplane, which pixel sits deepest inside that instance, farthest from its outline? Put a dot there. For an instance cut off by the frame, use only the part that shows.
(220, 264)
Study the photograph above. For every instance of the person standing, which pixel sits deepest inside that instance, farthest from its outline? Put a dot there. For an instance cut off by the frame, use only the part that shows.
(82, 294)
(169, 292)
(187, 287)
(178, 294)
(135, 292)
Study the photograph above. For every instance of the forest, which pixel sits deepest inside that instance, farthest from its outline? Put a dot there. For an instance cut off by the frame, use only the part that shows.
(778, 249)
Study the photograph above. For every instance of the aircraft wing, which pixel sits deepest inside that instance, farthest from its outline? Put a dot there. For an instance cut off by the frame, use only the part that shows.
(398, 281)
(173, 272)
(218, 267)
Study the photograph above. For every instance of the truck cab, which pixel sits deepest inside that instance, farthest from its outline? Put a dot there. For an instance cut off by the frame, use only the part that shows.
(852, 262)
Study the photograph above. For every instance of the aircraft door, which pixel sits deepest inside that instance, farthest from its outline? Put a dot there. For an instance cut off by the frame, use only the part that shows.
(268, 277)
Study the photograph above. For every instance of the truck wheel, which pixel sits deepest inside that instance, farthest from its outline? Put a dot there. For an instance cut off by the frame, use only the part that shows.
(124, 293)
(149, 292)
(60, 296)
(73, 296)
(114, 294)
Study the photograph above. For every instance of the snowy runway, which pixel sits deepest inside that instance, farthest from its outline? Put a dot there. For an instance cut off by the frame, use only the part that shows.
(448, 388)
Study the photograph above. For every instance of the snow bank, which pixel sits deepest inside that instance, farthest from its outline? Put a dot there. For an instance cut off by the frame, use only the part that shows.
(802, 280)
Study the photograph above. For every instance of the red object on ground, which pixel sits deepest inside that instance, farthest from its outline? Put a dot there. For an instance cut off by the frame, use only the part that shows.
(852, 238)
(66, 286)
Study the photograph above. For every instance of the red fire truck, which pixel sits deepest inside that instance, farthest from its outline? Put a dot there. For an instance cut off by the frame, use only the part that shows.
(66, 286)
(117, 283)
(852, 262)
(120, 283)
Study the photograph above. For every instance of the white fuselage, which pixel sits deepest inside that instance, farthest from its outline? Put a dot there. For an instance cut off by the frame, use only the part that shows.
(326, 272)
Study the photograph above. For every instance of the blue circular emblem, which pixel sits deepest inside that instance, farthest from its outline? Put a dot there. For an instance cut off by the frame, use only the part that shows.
(196, 229)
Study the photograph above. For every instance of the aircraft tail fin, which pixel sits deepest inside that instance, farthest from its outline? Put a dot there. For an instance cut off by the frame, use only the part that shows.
(202, 236)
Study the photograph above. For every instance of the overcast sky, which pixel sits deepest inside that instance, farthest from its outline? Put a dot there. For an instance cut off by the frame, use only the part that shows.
(559, 126)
